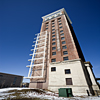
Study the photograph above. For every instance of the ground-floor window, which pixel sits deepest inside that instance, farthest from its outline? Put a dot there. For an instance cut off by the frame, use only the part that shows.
(53, 69)
(69, 81)
(67, 71)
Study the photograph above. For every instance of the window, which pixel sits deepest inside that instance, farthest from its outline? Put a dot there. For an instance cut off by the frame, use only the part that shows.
(59, 20)
(53, 69)
(54, 43)
(53, 23)
(53, 35)
(46, 28)
(69, 81)
(53, 26)
(65, 52)
(47, 24)
(53, 60)
(53, 53)
(65, 58)
(53, 39)
(53, 48)
(61, 31)
(62, 38)
(14, 80)
(67, 71)
(53, 32)
(1, 75)
(62, 34)
(53, 29)
(59, 23)
(60, 27)
(63, 42)
(64, 47)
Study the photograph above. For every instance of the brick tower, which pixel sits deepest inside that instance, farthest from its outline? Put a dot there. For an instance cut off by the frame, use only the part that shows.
(57, 60)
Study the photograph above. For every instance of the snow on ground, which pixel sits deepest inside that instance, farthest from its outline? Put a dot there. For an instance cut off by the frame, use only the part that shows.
(4, 94)
(8, 89)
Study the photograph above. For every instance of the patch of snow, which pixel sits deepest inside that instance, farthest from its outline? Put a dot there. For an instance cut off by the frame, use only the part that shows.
(8, 89)
(4, 94)
(51, 96)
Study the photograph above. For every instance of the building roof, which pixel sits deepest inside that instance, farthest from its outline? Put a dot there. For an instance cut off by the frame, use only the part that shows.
(10, 74)
(55, 14)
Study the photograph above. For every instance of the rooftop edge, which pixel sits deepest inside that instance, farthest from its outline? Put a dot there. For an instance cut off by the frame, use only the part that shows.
(55, 14)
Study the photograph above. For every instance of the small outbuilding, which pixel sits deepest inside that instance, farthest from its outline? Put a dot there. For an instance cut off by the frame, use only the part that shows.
(10, 80)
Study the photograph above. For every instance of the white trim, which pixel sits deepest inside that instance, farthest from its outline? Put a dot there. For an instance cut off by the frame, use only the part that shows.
(38, 52)
(40, 43)
(33, 45)
(32, 58)
(33, 77)
(34, 65)
(41, 36)
(40, 47)
(55, 14)
(41, 39)
(34, 52)
(51, 14)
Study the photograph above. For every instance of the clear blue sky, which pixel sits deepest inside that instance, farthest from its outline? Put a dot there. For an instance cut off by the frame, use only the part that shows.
(20, 20)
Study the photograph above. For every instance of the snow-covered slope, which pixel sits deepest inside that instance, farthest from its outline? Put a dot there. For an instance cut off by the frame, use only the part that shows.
(27, 93)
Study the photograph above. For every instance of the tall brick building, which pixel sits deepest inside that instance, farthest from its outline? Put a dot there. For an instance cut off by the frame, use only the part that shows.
(57, 60)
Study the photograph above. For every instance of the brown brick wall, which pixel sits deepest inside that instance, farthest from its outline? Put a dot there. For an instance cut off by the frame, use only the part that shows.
(71, 48)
